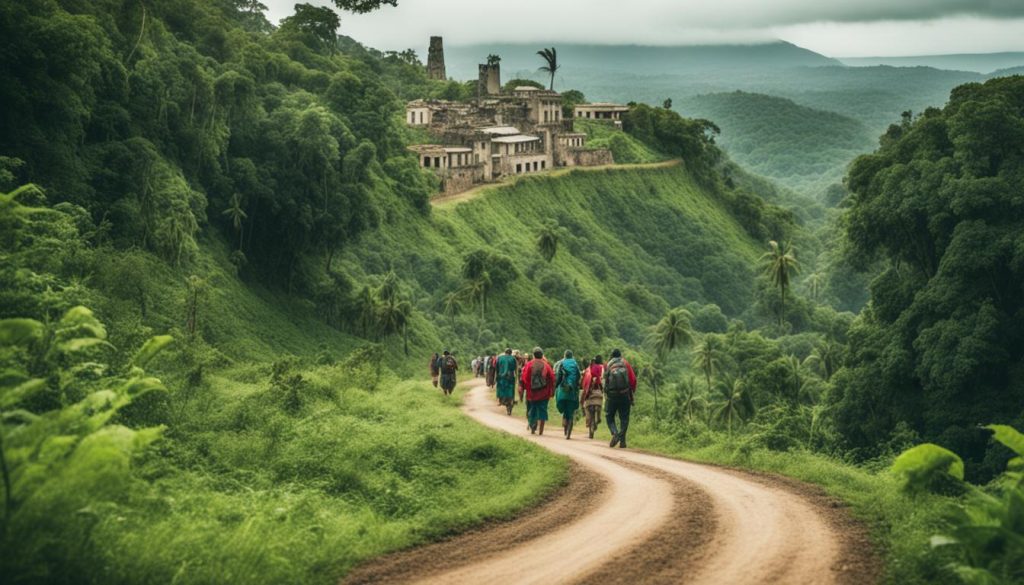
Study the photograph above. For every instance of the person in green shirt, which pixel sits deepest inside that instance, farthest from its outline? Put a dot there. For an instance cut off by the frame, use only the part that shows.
(567, 390)
(506, 379)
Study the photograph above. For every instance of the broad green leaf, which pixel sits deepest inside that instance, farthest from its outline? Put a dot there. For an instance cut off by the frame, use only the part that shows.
(21, 392)
(942, 540)
(1015, 464)
(919, 465)
(975, 575)
(20, 416)
(1008, 436)
(150, 349)
(145, 437)
(19, 331)
(138, 386)
(82, 343)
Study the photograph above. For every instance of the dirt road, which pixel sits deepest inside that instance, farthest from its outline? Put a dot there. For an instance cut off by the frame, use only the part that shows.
(645, 519)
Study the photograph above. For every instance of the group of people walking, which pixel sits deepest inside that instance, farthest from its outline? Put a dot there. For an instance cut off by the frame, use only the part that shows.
(586, 385)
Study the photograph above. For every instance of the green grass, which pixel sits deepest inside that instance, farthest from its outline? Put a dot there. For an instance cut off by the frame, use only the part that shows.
(632, 243)
(244, 491)
(625, 149)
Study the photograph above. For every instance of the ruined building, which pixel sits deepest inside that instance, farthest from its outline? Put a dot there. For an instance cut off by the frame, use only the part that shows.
(499, 134)
(489, 81)
(435, 59)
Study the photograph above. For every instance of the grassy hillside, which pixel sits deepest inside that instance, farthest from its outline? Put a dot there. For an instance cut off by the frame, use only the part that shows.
(632, 243)
(802, 148)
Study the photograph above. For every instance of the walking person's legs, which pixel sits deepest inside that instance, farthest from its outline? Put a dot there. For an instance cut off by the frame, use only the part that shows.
(610, 408)
(624, 409)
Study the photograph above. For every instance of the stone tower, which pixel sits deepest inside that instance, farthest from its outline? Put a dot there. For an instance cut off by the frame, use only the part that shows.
(489, 81)
(435, 59)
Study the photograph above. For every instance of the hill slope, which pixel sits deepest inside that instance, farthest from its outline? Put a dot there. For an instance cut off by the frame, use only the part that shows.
(631, 244)
(803, 148)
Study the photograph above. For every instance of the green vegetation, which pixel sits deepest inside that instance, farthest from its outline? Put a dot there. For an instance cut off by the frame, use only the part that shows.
(939, 348)
(262, 268)
(804, 149)
(625, 148)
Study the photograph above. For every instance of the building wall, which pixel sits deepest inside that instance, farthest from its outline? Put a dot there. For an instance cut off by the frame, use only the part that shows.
(418, 116)
(461, 179)
(575, 157)
(489, 80)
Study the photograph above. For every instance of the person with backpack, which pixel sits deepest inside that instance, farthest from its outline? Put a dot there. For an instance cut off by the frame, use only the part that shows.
(567, 390)
(435, 368)
(592, 396)
(448, 366)
(538, 384)
(619, 387)
(505, 377)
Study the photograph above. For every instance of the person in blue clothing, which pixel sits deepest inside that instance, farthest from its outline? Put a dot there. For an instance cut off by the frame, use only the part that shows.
(567, 390)
(506, 379)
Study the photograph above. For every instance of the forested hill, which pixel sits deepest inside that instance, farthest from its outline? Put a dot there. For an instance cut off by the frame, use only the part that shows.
(802, 148)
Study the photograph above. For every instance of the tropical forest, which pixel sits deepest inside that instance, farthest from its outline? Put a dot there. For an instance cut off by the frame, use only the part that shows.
(235, 259)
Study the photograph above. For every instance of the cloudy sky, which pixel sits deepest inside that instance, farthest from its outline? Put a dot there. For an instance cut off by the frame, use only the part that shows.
(837, 28)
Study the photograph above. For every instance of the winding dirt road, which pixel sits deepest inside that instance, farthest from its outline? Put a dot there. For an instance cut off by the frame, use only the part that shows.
(635, 517)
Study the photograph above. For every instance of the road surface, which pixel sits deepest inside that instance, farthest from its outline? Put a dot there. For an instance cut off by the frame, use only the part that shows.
(634, 517)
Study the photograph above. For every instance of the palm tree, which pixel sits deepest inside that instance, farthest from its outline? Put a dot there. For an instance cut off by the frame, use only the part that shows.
(653, 375)
(476, 290)
(393, 315)
(795, 378)
(814, 284)
(452, 304)
(825, 358)
(736, 404)
(236, 214)
(707, 357)
(547, 242)
(689, 399)
(366, 308)
(550, 56)
(779, 263)
(671, 332)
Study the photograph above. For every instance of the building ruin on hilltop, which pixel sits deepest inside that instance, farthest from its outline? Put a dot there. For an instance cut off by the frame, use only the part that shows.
(502, 133)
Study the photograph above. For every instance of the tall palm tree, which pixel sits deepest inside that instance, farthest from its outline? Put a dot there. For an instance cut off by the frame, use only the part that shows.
(366, 309)
(671, 332)
(550, 57)
(707, 357)
(393, 315)
(547, 242)
(689, 399)
(452, 304)
(476, 290)
(795, 382)
(814, 283)
(654, 375)
(236, 214)
(825, 358)
(736, 404)
(780, 262)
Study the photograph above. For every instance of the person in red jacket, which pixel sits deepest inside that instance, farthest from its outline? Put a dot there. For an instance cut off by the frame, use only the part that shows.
(619, 388)
(538, 384)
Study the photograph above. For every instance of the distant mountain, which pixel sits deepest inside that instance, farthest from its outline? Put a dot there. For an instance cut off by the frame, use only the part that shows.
(977, 62)
(802, 148)
(1007, 72)
(579, 59)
